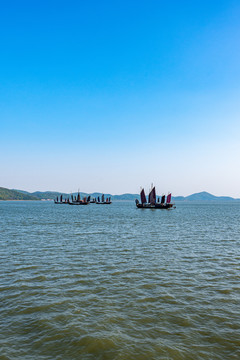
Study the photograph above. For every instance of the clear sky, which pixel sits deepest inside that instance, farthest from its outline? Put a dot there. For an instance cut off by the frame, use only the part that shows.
(112, 95)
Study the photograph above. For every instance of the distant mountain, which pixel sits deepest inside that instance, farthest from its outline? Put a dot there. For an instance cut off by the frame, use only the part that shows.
(178, 198)
(126, 197)
(205, 196)
(46, 195)
(7, 194)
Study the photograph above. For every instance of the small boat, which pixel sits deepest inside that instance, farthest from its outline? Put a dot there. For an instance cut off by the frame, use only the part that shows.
(103, 202)
(77, 200)
(61, 201)
(153, 202)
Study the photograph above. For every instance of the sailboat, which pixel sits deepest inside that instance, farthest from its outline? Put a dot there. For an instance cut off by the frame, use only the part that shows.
(103, 201)
(153, 202)
(78, 201)
(60, 200)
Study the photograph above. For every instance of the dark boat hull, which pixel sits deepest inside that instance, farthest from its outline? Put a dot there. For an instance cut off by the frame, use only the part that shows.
(156, 206)
(79, 203)
(58, 202)
(104, 203)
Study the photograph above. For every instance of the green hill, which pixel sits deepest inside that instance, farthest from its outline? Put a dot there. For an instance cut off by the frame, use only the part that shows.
(48, 195)
(7, 194)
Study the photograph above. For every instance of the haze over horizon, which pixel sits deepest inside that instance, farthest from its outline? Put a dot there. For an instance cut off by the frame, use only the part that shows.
(109, 97)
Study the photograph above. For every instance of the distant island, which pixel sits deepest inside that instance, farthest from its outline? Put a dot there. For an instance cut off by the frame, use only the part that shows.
(7, 194)
(13, 194)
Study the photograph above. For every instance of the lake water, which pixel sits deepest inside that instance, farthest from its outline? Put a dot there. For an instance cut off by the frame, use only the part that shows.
(116, 282)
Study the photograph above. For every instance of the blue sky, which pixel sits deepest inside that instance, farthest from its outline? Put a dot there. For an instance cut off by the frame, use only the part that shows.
(110, 96)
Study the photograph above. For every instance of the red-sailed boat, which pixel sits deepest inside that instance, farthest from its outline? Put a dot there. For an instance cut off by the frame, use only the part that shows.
(103, 202)
(153, 202)
(78, 201)
(61, 201)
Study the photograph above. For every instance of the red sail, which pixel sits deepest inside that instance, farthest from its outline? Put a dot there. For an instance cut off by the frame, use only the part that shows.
(143, 197)
(152, 196)
(169, 198)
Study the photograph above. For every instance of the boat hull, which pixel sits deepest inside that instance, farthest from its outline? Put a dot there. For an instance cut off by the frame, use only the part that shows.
(154, 206)
(79, 203)
(104, 203)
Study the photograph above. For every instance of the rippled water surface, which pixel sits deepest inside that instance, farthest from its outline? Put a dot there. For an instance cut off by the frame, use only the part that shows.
(116, 282)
